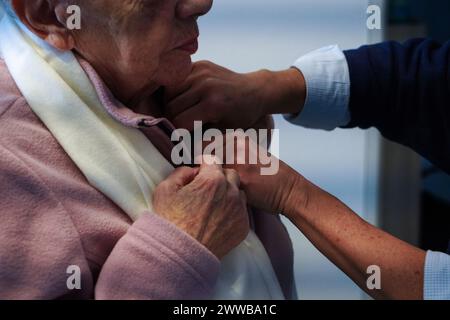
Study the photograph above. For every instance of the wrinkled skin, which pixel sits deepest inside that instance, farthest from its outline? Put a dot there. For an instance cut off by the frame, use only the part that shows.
(138, 46)
(134, 45)
(208, 204)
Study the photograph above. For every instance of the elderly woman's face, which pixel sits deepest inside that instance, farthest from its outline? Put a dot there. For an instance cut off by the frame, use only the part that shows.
(138, 44)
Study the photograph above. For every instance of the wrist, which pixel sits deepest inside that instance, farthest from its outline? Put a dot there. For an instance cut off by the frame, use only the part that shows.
(295, 90)
(297, 196)
(283, 92)
(262, 81)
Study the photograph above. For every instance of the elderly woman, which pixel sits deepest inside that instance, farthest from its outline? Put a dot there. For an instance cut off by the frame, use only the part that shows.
(91, 206)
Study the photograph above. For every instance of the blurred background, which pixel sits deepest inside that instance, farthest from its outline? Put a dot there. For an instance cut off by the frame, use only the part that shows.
(386, 184)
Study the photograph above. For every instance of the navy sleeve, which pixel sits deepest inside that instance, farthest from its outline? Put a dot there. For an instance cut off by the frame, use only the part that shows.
(403, 90)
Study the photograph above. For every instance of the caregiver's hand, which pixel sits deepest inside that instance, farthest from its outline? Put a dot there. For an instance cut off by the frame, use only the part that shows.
(230, 100)
(340, 234)
(207, 204)
(277, 191)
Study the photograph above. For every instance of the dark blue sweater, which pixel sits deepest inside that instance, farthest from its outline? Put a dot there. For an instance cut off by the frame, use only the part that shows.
(403, 90)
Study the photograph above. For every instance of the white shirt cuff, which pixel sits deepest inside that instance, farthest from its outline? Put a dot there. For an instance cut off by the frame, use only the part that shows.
(437, 276)
(328, 89)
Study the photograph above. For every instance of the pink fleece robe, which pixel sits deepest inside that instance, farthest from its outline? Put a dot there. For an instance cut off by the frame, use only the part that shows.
(52, 218)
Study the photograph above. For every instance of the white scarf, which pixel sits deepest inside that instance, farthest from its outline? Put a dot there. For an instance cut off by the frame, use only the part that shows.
(117, 160)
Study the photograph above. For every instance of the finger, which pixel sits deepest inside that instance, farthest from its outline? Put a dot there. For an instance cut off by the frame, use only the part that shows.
(187, 118)
(184, 101)
(210, 166)
(182, 177)
(173, 92)
(233, 177)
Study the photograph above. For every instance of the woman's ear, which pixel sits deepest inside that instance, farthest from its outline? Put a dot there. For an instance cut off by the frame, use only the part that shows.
(46, 19)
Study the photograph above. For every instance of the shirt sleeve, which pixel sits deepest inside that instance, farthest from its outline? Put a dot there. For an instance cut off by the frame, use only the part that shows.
(328, 90)
(437, 276)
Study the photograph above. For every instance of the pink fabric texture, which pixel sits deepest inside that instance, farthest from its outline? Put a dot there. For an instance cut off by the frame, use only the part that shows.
(51, 218)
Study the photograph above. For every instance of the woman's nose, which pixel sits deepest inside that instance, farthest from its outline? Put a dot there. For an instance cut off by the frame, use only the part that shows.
(193, 8)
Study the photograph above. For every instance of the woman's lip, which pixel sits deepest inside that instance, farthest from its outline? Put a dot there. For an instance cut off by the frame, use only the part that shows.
(191, 46)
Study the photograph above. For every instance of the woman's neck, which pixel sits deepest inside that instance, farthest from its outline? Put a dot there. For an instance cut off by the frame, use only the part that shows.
(150, 105)
(145, 100)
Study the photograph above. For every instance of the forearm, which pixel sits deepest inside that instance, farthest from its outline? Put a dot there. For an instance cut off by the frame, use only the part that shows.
(354, 245)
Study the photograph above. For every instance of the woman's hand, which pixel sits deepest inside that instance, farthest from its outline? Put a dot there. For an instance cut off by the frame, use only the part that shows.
(229, 100)
(270, 184)
(207, 204)
(347, 240)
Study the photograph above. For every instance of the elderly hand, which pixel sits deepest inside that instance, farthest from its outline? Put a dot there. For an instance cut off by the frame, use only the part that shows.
(207, 204)
(229, 100)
